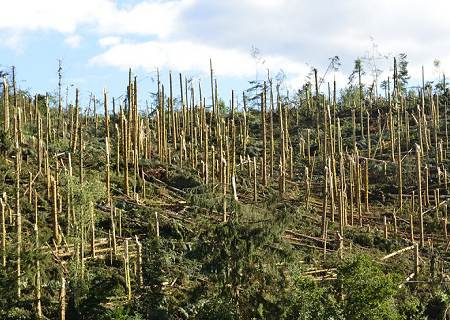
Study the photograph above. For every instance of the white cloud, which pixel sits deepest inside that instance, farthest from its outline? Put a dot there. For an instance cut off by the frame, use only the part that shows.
(184, 34)
(192, 57)
(13, 41)
(74, 41)
(313, 31)
(109, 41)
(66, 16)
(60, 15)
(182, 55)
(145, 18)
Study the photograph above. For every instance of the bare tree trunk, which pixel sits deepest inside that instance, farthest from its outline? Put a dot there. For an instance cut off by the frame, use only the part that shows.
(75, 125)
(416, 260)
(156, 226)
(127, 268)
(125, 156)
(325, 202)
(419, 188)
(263, 124)
(62, 300)
(3, 205)
(92, 230)
(108, 187)
(366, 187)
(56, 236)
(6, 105)
(113, 230)
(307, 187)
(38, 267)
(224, 190)
(139, 262)
(255, 185)
(18, 218)
(399, 160)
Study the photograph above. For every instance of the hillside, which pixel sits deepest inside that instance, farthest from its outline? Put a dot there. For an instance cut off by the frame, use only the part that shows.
(311, 206)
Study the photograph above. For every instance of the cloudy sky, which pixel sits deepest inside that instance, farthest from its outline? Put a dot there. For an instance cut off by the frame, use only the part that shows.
(99, 40)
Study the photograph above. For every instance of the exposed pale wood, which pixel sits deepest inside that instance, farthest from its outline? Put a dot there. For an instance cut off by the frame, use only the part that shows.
(397, 252)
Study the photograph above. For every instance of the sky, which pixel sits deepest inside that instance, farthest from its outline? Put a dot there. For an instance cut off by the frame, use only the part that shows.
(98, 41)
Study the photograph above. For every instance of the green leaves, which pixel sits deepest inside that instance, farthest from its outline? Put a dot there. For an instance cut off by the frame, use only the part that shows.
(91, 190)
(307, 299)
(368, 293)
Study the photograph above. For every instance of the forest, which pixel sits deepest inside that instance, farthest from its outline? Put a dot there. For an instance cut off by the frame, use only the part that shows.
(309, 204)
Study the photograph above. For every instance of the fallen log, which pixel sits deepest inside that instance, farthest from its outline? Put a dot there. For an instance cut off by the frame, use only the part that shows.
(397, 252)
(304, 236)
(411, 276)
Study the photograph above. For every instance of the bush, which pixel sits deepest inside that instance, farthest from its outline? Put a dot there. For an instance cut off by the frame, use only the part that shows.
(368, 292)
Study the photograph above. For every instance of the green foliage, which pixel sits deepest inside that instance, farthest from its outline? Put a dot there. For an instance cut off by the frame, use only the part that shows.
(216, 309)
(438, 306)
(122, 313)
(357, 71)
(307, 300)
(368, 292)
(10, 306)
(222, 108)
(402, 75)
(200, 267)
(89, 296)
(411, 307)
(92, 190)
(5, 143)
(246, 261)
(17, 313)
(153, 301)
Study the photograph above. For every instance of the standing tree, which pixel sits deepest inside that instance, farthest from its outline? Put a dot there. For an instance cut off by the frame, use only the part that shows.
(401, 75)
(358, 71)
(246, 259)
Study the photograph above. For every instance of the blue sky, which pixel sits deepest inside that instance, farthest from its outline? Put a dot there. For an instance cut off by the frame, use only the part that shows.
(99, 40)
